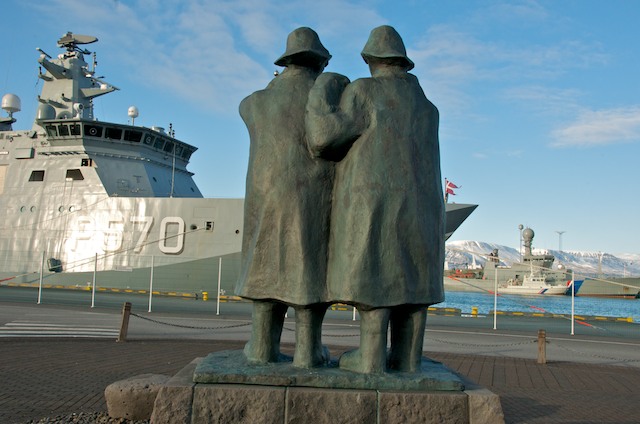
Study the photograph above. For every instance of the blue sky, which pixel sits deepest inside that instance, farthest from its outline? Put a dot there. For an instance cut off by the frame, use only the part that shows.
(539, 100)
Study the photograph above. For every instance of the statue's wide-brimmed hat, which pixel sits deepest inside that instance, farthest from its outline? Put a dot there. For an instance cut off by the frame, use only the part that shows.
(303, 43)
(385, 43)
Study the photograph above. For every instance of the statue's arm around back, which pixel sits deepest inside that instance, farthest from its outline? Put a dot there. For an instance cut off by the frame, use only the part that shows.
(331, 127)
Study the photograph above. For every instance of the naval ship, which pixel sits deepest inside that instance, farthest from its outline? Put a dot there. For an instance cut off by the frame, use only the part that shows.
(534, 275)
(92, 202)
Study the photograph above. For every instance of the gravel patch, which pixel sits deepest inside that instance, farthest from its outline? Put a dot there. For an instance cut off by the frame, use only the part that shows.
(85, 418)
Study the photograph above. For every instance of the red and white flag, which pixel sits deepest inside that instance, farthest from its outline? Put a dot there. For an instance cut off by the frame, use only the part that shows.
(449, 186)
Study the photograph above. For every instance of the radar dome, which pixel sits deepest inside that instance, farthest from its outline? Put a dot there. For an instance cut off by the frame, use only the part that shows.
(133, 112)
(528, 234)
(11, 103)
(45, 112)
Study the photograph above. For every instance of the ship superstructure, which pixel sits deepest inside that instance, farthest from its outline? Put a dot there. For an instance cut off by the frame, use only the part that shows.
(74, 187)
(80, 196)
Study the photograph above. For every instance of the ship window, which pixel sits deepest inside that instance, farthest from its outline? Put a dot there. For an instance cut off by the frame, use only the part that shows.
(179, 150)
(74, 129)
(148, 139)
(187, 154)
(113, 133)
(75, 174)
(93, 130)
(158, 144)
(63, 130)
(134, 136)
(36, 176)
(168, 147)
(52, 131)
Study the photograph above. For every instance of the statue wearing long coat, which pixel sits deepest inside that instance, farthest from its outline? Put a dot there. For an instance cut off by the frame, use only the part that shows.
(288, 197)
(387, 224)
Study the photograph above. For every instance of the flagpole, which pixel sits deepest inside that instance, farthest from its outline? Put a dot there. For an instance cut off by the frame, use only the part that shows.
(446, 191)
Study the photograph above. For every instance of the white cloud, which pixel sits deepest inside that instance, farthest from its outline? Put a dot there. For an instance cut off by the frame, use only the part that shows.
(599, 128)
(546, 100)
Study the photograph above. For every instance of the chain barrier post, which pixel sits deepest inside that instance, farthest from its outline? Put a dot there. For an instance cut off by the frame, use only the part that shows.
(124, 327)
(542, 347)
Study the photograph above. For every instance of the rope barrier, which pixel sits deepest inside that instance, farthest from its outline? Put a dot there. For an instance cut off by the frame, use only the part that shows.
(194, 327)
(482, 344)
(432, 339)
(609, 358)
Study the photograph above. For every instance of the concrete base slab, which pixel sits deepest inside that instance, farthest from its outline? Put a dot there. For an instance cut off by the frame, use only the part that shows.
(183, 401)
(232, 367)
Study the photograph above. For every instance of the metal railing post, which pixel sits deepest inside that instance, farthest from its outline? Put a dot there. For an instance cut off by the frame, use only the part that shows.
(41, 272)
(151, 282)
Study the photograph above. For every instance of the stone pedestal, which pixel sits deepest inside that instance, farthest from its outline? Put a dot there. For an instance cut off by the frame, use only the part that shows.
(291, 399)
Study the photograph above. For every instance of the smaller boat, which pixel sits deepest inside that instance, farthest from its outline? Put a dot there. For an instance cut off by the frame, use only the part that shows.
(536, 283)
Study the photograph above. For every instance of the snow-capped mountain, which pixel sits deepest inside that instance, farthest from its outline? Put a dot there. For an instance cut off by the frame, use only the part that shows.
(469, 254)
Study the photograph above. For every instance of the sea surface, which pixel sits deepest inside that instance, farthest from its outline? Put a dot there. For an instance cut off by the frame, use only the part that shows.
(607, 307)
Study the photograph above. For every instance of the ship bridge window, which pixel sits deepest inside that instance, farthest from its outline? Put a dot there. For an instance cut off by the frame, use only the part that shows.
(187, 154)
(52, 131)
(74, 129)
(93, 130)
(36, 176)
(179, 150)
(63, 130)
(148, 139)
(74, 174)
(113, 133)
(168, 147)
(134, 136)
(158, 144)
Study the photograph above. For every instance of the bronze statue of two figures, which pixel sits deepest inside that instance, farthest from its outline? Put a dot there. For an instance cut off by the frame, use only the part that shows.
(343, 204)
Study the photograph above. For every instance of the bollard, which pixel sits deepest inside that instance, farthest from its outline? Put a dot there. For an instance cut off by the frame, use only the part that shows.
(205, 295)
(542, 347)
(124, 327)
(474, 311)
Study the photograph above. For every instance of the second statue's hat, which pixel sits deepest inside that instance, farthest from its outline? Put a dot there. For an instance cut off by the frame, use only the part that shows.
(385, 43)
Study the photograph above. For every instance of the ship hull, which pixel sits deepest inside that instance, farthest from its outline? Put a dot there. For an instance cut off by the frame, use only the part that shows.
(628, 288)
(162, 244)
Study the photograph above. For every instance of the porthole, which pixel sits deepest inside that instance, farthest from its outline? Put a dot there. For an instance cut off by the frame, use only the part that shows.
(61, 209)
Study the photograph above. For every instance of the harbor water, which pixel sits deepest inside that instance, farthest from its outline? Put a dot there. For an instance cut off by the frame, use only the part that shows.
(606, 307)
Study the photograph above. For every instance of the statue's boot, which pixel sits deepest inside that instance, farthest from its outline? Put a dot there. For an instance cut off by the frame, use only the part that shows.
(408, 323)
(309, 351)
(371, 356)
(266, 330)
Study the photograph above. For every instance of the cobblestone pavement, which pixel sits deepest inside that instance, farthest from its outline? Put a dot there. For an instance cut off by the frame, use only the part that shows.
(50, 377)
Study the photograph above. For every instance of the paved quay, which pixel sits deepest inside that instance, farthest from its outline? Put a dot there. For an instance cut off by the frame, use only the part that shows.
(51, 377)
(57, 359)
